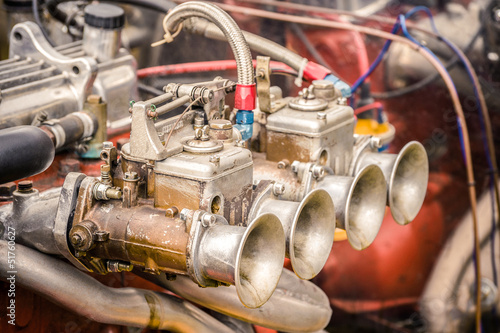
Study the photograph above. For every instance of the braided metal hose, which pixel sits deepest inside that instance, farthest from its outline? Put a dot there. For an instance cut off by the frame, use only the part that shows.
(228, 28)
(256, 43)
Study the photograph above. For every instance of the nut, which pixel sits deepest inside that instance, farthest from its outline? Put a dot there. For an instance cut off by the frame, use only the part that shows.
(208, 219)
(184, 214)
(278, 189)
(318, 171)
(214, 159)
(295, 166)
(375, 142)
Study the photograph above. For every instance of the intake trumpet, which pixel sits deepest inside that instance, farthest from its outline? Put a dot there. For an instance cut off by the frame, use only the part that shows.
(250, 258)
(406, 174)
(359, 204)
(309, 227)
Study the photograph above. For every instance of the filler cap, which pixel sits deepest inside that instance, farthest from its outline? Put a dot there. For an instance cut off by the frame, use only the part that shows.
(104, 16)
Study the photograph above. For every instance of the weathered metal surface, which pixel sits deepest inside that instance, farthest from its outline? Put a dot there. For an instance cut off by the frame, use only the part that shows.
(323, 137)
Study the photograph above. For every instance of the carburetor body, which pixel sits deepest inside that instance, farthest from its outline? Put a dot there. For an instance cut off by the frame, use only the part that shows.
(312, 128)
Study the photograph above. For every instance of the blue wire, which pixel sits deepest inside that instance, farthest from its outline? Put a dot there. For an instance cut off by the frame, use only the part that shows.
(376, 62)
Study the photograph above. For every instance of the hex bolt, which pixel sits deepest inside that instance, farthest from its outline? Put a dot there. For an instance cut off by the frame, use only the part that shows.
(171, 212)
(6, 191)
(278, 189)
(25, 186)
(283, 164)
(318, 171)
(375, 142)
(295, 166)
(208, 219)
(214, 159)
(321, 115)
(101, 236)
(184, 214)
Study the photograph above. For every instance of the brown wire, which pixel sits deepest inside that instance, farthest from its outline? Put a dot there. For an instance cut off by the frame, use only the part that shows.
(441, 70)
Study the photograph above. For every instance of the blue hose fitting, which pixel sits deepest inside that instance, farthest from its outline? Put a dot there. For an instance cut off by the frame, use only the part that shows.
(244, 124)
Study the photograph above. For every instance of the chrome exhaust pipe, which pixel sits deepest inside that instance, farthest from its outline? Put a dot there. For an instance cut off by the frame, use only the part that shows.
(251, 258)
(309, 230)
(406, 174)
(359, 204)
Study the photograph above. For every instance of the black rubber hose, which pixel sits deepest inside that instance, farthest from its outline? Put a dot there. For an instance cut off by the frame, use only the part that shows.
(24, 151)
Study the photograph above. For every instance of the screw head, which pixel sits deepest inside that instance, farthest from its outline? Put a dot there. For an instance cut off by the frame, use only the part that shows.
(131, 175)
(321, 115)
(295, 166)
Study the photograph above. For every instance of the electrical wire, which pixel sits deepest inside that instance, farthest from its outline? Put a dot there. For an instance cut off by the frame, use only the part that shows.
(297, 30)
(368, 107)
(427, 80)
(476, 252)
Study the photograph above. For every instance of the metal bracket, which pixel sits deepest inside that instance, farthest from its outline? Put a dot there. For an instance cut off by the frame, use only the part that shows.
(27, 39)
(196, 233)
(361, 144)
(65, 215)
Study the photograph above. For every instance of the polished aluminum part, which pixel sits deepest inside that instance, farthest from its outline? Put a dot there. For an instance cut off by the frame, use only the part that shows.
(38, 77)
(359, 203)
(309, 228)
(406, 175)
(251, 258)
(82, 294)
(101, 44)
(296, 305)
(32, 215)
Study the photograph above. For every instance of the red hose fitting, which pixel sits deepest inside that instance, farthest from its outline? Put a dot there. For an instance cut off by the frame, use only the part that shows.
(244, 98)
(314, 71)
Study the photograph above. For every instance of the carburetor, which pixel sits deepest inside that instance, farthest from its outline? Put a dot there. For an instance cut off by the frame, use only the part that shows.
(310, 143)
(182, 200)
